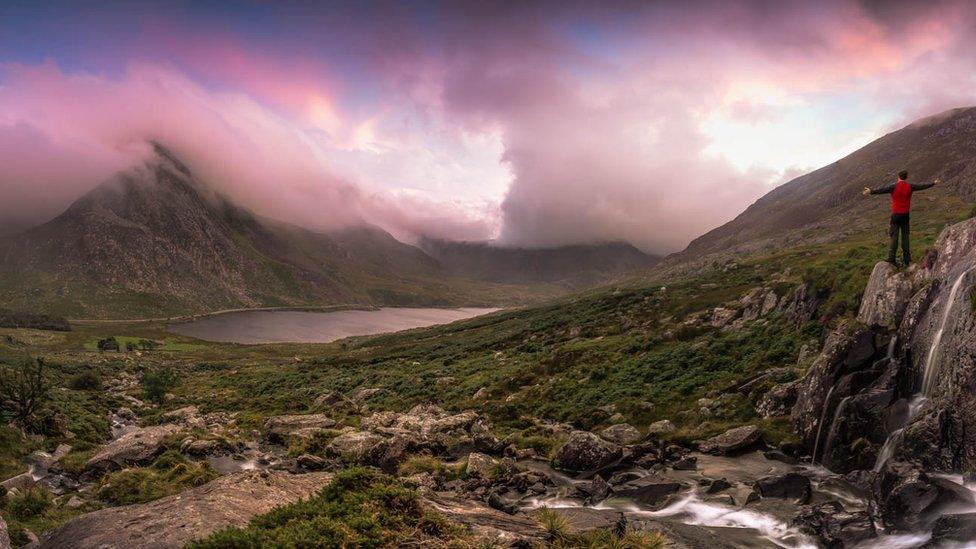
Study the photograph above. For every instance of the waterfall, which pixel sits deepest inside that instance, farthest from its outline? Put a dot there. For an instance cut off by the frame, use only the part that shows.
(931, 364)
(888, 449)
(823, 417)
(832, 431)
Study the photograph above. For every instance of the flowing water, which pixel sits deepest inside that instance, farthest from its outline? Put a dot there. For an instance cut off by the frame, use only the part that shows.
(931, 364)
(823, 418)
(317, 327)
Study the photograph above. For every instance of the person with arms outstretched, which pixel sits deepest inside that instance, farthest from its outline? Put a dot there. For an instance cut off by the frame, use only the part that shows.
(901, 205)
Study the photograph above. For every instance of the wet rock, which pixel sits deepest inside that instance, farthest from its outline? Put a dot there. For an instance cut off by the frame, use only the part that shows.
(497, 501)
(733, 440)
(834, 526)
(173, 521)
(650, 491)
(622, 434)
(596, 491)
(661, 427)
(780, 456)
(584, 451)
(309, 462)
(480, 465)
(791, 486)
(951, 529)
(885, 297)
(717, 486)
(42, 461)
(280, 428)
(135, 447)
(909, 499)
(485, 522)
(689, 463)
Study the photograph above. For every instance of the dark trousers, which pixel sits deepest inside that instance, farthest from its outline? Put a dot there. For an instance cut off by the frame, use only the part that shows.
(899, 224)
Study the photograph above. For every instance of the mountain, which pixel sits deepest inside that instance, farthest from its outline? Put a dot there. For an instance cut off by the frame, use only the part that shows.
(826, 204)
(577, 265)
(156, 241)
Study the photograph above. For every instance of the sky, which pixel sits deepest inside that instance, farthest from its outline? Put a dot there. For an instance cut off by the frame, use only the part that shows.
(526, 123)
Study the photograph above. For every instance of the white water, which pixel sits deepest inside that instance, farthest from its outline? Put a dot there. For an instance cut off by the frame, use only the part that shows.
(823, 417)
(931, 364)
(832, 432)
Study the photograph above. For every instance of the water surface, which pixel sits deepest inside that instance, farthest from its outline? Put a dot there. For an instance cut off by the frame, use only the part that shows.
(316, 327)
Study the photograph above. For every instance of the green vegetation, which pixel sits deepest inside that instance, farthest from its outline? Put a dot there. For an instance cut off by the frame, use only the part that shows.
(558, 529)
(89, 380)
(33, 509)
(360, 508)
(130, 343)
(17, 319)
(158, 381)
(169, 474)
(24, 390)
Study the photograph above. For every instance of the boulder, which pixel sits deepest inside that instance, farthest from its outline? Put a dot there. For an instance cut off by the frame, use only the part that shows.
(135, 447)
(733, 440)
(885, 297)
(479, 465)
(356, 446)
(622, 433)
(778, 401)
(909, 499)
(661, 427)
(363, 394)
(18, 482)
(650, 491)
(953, 529)
(584, 451)
(834, 526)
(196, 447)
(334, 401)
(791, 486)
(280, 428)
(173, 521)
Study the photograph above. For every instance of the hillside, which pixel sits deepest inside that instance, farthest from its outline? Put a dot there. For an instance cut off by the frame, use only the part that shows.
(825, 205)
(156, 241)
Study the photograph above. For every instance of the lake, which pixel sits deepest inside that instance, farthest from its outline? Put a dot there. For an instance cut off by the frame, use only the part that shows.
(316, 327)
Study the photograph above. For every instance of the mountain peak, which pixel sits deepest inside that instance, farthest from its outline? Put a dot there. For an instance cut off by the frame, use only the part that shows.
(163, 154)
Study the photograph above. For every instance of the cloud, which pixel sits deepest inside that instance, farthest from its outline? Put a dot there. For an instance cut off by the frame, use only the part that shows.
(61, 134)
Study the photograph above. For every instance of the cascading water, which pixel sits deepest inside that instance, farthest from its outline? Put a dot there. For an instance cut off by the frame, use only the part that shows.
(931, 364)
(823, 417)
(832, 432)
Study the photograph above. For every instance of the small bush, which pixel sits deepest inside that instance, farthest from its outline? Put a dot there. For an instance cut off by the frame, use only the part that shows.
(108, 344)
(30, 503)
(169, 474)
(89, 380)
(24, 390)
(421, 464)
(157, 382)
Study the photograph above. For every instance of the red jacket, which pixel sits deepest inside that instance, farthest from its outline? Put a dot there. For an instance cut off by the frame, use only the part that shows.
(901, 194)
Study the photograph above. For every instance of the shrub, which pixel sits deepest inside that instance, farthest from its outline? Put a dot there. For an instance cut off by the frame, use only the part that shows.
(108, 344)
(421, 464)
(16, 319)
(157, 382)
(30, 503)
(359, 508)
(89, 380)
(170, 473)
(24, 390)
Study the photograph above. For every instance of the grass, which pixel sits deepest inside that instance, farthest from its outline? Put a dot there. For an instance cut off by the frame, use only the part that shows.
(35, 510)
(134, 341)
(359, 508)
(169, 474)
(560, 532)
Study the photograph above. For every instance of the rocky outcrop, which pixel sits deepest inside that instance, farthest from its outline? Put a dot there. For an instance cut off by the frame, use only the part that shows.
(792, 486)
(661, 427)
(836, 527)
(517, 530)
(281, 428)
(4, 536)
(885, 296)
(229, 501)
(910, 499)
(134, 447)
(733, 440)
(953, 530)
(584, 451)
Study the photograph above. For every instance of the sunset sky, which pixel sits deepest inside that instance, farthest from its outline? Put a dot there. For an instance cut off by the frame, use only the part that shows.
(532, 123)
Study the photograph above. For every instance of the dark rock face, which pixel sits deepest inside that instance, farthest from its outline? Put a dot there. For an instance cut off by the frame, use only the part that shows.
(792, 486)
(834, 526)
(584, 451)
(909, 499)
(953, 528)
(733, 440)
(885, 296)
(778, 401)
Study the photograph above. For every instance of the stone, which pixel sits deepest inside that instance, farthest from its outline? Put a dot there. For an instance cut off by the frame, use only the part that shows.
(503, 504)
(75, 502)
(279, 428)
(661, 427)
(596, 491)
(583, 451)
(363, 394)
(481, 521)
(653, 492)
(733, 440)
(834, 526)
(480, 465)
(778, 401)
(959, 528)
(791, 486)
(309, 462)
(717, 486)
(19, 482)
(622, 433)
(195, 447)
(173, 521)
(4, 536)
(334, 400)
(885, 297)
(135, 447)
(356, 446)
(582, 520)
(689, 463)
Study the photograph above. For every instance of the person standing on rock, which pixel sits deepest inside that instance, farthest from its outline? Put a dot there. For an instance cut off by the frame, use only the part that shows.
(901, 204)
